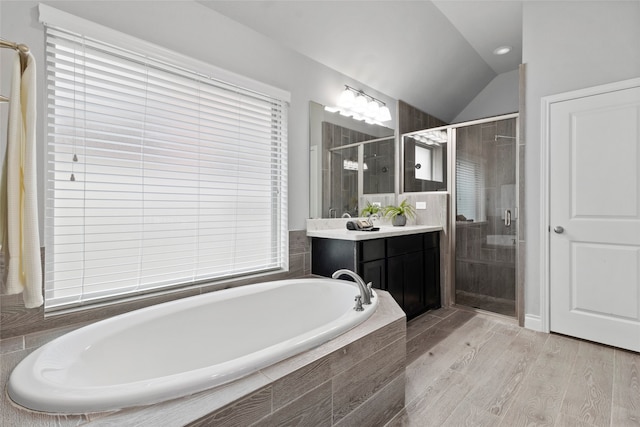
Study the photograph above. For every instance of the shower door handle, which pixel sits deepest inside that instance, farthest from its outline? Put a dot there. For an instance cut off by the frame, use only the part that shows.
(507, 218)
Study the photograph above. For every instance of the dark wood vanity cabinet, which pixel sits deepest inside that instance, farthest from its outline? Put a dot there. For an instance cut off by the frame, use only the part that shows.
(407, 266)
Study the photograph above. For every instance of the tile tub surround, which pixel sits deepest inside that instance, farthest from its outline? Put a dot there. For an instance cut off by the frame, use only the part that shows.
(355, 379)
(16, 321)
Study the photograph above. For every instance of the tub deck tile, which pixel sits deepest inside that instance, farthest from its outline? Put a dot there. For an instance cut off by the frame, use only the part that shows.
(380, 408)
(182, 411)
(241, 413)
(9, 345)
(310, 409)
(292, 386)
(362, 348)
(357, 384)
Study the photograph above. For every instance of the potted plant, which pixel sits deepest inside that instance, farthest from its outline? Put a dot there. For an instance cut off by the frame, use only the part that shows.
(399, 214)
(371, 210)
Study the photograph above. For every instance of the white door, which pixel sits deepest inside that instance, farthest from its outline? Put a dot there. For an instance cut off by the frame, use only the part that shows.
(594, 213)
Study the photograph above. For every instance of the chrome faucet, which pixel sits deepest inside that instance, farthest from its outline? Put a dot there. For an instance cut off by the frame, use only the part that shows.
(365, 289)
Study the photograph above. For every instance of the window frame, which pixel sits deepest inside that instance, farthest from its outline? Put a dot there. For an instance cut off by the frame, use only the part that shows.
(57, 19)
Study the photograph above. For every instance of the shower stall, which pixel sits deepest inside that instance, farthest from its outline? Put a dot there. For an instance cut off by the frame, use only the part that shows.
(477, 162)
(486, 217)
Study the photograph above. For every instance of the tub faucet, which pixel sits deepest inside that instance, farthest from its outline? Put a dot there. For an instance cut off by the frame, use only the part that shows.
(365, 289)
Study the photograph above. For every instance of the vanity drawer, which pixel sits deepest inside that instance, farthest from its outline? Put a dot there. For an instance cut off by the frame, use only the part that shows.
(401, 245)
(371, 250)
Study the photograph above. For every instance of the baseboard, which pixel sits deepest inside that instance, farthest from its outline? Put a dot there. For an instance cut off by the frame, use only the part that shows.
(533, 322)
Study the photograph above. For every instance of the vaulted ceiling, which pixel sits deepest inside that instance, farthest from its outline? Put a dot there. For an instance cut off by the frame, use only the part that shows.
(435, 55)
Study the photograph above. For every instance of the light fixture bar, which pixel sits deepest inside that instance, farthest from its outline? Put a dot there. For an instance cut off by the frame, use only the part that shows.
(366, 95)
(361, 106)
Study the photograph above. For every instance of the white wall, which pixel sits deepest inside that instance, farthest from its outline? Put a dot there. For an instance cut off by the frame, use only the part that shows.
(201, 33)
(499, 97)
(567, 46)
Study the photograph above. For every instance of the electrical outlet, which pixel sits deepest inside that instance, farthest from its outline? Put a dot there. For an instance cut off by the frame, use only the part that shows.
(378, 204)
(421, 205)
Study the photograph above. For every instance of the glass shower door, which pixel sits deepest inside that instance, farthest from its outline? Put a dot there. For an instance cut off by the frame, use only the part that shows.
(486, 216)
(344, 182)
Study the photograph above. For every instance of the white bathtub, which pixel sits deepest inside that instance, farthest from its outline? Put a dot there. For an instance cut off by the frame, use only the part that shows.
(184, 346)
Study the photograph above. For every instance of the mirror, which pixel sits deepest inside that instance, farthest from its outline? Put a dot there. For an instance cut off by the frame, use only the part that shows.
(350, 163)
(425, 160)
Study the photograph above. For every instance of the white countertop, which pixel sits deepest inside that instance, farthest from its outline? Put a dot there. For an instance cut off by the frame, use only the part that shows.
(385, 231)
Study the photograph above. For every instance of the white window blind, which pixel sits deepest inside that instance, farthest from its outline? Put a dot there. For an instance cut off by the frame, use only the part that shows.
(157, 176)
(469, 185)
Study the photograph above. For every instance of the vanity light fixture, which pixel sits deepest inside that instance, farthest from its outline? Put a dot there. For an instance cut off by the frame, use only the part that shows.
(433, 137)
(357, 104)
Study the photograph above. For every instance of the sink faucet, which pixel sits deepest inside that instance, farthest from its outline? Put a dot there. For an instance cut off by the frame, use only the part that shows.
(365, 290)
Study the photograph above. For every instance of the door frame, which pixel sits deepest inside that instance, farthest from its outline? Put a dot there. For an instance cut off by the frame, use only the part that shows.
(545, 182)
(449, 295)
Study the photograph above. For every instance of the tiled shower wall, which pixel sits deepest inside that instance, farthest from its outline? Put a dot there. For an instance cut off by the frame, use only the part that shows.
(16, 321)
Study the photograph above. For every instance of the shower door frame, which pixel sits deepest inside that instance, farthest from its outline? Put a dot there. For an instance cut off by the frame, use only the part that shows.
(360, 171)
(450, 297)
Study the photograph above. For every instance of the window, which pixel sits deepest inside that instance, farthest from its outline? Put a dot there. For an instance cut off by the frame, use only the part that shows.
(469, 186)
(157, 175)
(429, 162)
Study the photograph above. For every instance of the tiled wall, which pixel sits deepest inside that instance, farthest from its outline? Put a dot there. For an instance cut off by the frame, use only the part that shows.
(411, 119)
(16, 321)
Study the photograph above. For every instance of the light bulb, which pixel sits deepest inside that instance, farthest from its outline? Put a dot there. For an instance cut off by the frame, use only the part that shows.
(372, 109)
(346, 99)
(360, 104)
(384, 115)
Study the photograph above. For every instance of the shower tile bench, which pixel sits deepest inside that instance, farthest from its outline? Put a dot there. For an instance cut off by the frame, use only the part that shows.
(405, 261)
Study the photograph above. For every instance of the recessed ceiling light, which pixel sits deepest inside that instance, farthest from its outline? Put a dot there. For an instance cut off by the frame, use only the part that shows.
(502, 50)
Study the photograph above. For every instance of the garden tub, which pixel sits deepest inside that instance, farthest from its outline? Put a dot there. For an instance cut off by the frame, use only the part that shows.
(185, 346)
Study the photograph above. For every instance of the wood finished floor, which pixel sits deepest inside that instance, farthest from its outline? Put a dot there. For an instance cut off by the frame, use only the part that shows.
(472, 369)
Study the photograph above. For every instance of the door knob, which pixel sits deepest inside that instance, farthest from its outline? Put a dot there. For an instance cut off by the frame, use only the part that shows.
(558, 229)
